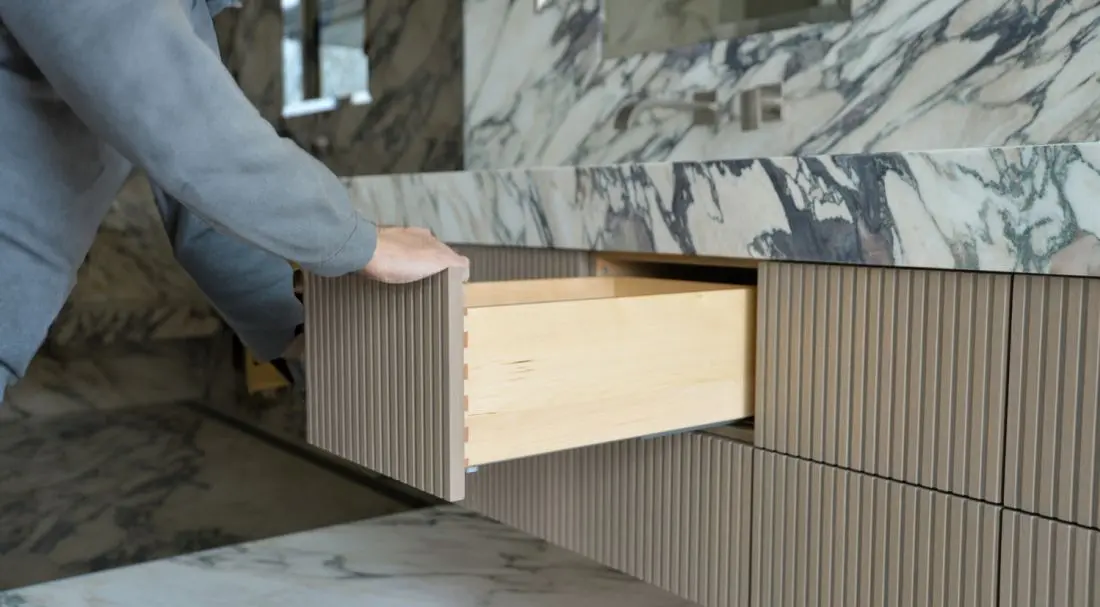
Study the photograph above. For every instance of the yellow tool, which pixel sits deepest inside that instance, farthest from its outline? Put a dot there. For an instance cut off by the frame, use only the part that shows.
(261, 376)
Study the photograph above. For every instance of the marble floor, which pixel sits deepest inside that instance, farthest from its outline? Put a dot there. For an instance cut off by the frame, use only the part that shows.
(115, 461)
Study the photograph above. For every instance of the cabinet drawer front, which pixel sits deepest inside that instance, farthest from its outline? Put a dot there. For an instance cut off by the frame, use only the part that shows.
(824, 536)
(1048, 564)
(383, 376)
(673, 511)
(1052, 459)
(420, 381)
(894, 372)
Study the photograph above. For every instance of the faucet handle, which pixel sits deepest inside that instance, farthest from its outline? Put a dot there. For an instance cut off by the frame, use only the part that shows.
(761, 104)
(705, 112)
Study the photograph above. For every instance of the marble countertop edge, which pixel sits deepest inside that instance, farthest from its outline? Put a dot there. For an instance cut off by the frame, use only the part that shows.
(1021, 209)
(434, 556)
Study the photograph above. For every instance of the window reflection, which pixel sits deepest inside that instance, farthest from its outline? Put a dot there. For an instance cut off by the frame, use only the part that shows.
(324, 60)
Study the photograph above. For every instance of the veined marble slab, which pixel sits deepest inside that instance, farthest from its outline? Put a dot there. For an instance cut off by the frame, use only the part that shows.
(1023, 209)
(131, 289)
(438, 556)
(108, 486)
(900, 75)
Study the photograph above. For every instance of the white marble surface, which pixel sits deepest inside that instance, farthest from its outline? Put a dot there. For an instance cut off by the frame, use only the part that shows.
(1024, 209)
(440, 556)
(901, 75)
(637, 26)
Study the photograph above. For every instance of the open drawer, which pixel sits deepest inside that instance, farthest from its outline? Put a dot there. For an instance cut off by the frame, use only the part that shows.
(420, 381)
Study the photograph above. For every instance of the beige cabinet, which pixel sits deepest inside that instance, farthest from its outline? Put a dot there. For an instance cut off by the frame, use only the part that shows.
(1048, 564)
(919, 437)
(825, 536)
(1052, 463)
(893, 372)
(422, 381)
(674, 511)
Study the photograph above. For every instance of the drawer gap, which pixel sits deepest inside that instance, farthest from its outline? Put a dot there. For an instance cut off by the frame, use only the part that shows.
(678, 267)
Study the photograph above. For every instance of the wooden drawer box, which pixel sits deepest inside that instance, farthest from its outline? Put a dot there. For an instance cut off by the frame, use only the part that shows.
(421, 381)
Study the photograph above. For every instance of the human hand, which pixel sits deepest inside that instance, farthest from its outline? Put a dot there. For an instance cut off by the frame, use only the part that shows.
(411, 254)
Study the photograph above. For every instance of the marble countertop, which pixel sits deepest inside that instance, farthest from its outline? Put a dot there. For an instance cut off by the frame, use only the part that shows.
(1027, 209)
(437, 556)
(1003, 209)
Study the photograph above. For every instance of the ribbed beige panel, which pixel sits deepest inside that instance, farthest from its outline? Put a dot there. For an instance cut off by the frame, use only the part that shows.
(894, 372)
(536, 494)
(828, 537)
(516, 263)
(1048, 564)
(384, 371)
(1052, 462)
(673, 510)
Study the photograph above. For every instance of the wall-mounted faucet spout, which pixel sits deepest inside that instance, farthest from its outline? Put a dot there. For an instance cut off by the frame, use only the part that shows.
(758, 105)
(703, 106)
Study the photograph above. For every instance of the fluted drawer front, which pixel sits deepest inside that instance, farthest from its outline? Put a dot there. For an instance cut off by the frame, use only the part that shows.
(1048, 564)
(384, 375)
(1053, 427)
(673, 511)
(420, 381)
(898, 373)
(828, 537)
(519, 263)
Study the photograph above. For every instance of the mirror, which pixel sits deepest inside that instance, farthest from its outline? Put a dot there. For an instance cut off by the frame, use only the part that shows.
(638, 26)
(324, 55)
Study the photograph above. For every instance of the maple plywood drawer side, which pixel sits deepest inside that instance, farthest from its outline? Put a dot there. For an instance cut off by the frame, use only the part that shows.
(421, 381)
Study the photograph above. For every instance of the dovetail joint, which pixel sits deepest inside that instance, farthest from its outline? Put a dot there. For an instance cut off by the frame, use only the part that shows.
(465, 385)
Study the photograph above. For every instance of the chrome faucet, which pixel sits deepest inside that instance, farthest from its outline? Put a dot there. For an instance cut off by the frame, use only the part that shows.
(703, 105)
(758, 105)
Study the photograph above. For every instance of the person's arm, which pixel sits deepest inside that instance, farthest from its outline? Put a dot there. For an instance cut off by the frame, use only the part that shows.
(140, 77)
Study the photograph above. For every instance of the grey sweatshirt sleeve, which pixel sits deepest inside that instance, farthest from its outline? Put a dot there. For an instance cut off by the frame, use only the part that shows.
(140, 77)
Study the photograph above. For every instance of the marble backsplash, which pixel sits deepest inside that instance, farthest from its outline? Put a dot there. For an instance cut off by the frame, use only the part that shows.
(637, 26)
(902, 75)
(1025, 209)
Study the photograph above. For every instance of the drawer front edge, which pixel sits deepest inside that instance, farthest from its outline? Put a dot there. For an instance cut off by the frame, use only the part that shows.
(384, 377)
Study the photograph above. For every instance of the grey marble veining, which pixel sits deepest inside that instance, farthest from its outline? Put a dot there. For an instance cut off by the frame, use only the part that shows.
(152, 374)
(638, 26)
(131, 289)
(902, 75)
(91, 490)
(1025, 209)
(439, 556)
